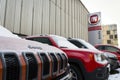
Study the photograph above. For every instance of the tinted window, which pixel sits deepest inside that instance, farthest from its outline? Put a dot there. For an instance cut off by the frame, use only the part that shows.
(110, 48)
(42, 40)
(101, 47)
(78, 44)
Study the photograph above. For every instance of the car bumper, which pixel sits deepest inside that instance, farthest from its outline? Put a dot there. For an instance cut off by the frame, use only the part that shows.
(101, 73)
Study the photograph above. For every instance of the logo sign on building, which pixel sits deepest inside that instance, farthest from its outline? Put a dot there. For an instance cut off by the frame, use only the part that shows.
(94, 28)
(94, 19)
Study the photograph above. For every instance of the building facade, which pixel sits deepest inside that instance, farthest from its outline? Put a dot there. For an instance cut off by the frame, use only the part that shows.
(109, 34)
(66, 18)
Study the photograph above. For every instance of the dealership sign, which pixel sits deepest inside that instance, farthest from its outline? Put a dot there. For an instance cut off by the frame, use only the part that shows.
(94, 28)
(94, 19)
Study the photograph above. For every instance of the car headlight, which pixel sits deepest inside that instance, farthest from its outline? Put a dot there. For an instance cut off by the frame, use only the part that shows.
(100, 58)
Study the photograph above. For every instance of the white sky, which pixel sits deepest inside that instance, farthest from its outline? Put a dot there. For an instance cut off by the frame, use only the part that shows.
(110, 11)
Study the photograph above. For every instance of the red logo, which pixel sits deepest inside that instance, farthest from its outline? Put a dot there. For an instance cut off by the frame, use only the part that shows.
(94, 19)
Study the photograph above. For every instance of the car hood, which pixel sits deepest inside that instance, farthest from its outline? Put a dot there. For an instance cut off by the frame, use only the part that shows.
(7, 43)
(82, 50)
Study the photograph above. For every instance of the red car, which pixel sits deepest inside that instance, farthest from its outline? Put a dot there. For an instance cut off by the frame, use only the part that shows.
(84, 64)
(109, 48)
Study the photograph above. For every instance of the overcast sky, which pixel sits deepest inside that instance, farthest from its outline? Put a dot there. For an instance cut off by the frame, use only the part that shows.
(110, 11)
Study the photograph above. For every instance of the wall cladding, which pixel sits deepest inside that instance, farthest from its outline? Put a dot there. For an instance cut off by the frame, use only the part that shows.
(67, 18)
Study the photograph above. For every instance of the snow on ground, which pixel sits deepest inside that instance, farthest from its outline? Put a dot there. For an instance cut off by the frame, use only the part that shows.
(115, 76)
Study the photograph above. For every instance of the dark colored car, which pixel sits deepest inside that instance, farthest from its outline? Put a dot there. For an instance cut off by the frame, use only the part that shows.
(112, 58)
(109, 48)
(84, 64)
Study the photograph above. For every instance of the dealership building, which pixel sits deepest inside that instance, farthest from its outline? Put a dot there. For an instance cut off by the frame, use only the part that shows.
(66, 18)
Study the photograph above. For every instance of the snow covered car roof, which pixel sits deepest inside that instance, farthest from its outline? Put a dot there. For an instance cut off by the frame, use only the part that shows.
(6, 33)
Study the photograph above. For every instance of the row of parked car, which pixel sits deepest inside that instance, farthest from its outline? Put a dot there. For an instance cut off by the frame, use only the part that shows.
(57, 59)
(86, 62)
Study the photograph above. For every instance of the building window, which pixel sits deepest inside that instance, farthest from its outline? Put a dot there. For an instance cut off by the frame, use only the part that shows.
(111, 36)
(109, 41)
(108, 32)
(116, 36)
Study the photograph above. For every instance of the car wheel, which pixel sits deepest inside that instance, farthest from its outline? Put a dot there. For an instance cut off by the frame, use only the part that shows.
(76, 73)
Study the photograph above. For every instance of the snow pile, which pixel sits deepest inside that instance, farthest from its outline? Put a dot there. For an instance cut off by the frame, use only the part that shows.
(6, 33)
(115, 76)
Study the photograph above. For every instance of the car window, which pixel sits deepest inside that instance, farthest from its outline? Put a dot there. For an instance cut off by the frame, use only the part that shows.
(110, 48)
(78, 44)
(42, 40)
(86, 44)
(63, 42)
(100, 47)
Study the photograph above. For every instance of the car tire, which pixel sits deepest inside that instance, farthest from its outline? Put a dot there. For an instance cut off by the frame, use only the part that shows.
(76, 73)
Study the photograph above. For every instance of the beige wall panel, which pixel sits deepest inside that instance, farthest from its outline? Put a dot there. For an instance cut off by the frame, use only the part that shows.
(70, 27)
(79, 20)
(62, 23)
(37, 17)
(10, 14)
(2, 11)
(26, 19)
(78, 3)
(52, 18)
(58, 21)
(75, 28)
(66, 32)
(69, 24)
(54, 1)
(72, 1)
(75, 9)
(69, 7)
(80, 30)
(45, 24)
(58, 3)
(66, 6)
(63, 5)
(66, 11)
(75, 17)
(17, 16)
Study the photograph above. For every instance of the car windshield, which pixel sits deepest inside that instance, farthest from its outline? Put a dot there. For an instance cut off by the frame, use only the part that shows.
(63, 43)
(88, 45)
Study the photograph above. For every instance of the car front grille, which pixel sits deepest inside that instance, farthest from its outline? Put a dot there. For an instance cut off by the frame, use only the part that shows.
(32, 66)
(15, 65)
(61, 62)
(11, 66)
(54, 63)
(45, 65)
